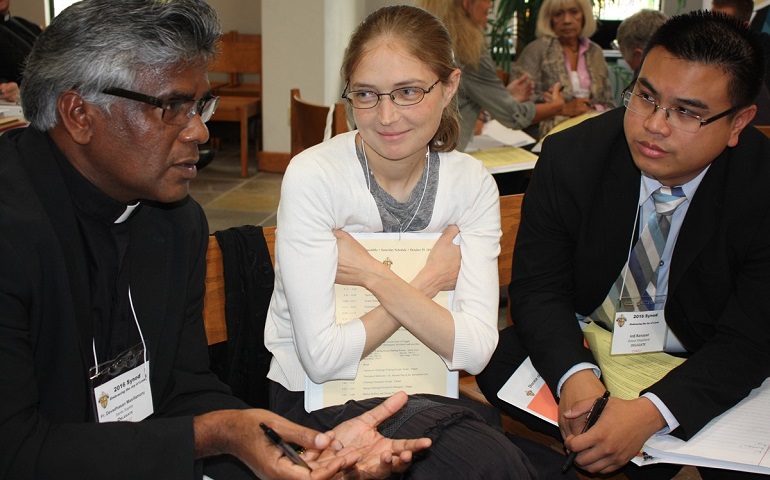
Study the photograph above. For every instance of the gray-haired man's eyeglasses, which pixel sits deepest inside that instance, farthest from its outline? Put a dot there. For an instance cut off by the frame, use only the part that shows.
(175, 112)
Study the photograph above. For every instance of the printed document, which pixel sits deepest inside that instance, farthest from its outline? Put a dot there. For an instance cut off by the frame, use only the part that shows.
(506, 159)
(563, 126)
(627, 375)
(527, 390)
(402, 362)
(739, 439)
(495, 134)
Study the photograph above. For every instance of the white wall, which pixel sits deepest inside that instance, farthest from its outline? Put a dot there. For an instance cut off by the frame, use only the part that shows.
(671, 7)
(292, 57)
(242, 15)
(303, 42)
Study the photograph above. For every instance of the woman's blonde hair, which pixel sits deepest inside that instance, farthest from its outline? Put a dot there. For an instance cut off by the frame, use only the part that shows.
(550, 7)
(467, 37)
(424, 37)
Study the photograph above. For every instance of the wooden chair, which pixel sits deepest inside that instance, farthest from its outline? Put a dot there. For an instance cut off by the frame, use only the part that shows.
(510, 213)
(240, 101)
(240, 110)
(239, 54)
(214, 301)
(218, 64)
(503, 76)
(510, 218)
(308, 122)
(764, 129)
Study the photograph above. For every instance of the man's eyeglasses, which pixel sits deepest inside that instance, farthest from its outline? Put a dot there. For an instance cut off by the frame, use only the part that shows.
(175, 112)
(403, 96)
(677, 117)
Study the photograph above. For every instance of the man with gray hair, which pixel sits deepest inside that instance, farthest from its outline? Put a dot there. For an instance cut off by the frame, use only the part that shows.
(633, 33)
(103, 360)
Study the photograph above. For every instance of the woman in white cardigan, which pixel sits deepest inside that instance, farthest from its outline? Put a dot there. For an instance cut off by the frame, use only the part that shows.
(397, 173)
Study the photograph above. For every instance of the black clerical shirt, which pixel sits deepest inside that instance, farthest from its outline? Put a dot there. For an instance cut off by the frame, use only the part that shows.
(106, 247)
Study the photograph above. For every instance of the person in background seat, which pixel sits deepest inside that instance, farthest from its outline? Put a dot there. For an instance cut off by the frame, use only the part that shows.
(17, 36)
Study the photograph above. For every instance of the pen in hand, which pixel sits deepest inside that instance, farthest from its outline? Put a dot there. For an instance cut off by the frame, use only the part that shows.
(287, 449)
(593, 416)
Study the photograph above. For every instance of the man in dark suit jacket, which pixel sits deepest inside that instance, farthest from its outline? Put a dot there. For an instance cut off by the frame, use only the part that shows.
(684, 125)
(102, 266)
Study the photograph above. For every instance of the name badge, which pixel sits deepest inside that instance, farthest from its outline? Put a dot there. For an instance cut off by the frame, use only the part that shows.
(121, 388)
(638, 332)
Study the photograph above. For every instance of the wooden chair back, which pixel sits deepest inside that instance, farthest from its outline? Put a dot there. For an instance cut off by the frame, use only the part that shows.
(510, 218)
(308, 122)
(503, 76)
(764, 129)
(214, 301)
(239, 54)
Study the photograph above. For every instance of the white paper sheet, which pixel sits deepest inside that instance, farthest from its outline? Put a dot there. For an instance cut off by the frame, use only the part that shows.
(402, 363)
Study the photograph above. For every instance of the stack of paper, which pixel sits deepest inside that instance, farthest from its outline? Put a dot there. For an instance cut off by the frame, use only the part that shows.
(739, 439)
(494, 134)
(10, 109)
(506, 159)
(570, 122)
(401, 363)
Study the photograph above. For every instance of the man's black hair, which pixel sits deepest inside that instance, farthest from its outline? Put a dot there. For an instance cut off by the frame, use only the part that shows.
(717, 39)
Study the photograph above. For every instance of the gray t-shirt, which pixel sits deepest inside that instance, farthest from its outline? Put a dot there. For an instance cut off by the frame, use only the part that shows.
(414, 214)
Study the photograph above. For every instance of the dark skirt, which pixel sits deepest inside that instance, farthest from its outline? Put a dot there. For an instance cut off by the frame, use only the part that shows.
(468, 441)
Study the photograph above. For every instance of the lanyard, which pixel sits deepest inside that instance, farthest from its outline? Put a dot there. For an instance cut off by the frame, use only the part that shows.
(141, 336)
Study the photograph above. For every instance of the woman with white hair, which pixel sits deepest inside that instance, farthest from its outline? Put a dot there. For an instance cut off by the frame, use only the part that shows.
(564, 53)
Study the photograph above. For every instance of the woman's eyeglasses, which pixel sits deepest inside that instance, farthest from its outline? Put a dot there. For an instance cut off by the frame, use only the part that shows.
(404, 96)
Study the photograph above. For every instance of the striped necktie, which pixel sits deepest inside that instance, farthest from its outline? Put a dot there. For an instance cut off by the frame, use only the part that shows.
(639, 277)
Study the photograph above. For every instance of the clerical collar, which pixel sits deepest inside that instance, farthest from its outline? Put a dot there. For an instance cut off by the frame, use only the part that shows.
(7, 16)
(129, 210)
(89, 199)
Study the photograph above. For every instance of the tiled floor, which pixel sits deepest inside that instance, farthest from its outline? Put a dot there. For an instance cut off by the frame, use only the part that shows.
(232, 201)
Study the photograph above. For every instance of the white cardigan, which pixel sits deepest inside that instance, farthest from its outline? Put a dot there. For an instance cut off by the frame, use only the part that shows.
(324, 188)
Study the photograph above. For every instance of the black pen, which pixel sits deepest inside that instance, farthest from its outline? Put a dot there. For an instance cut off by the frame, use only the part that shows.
(285, 447)
(593, 416)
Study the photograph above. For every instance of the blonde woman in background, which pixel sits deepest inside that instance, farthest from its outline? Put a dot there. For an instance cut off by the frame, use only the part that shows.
(564, 53)
(480, 87)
